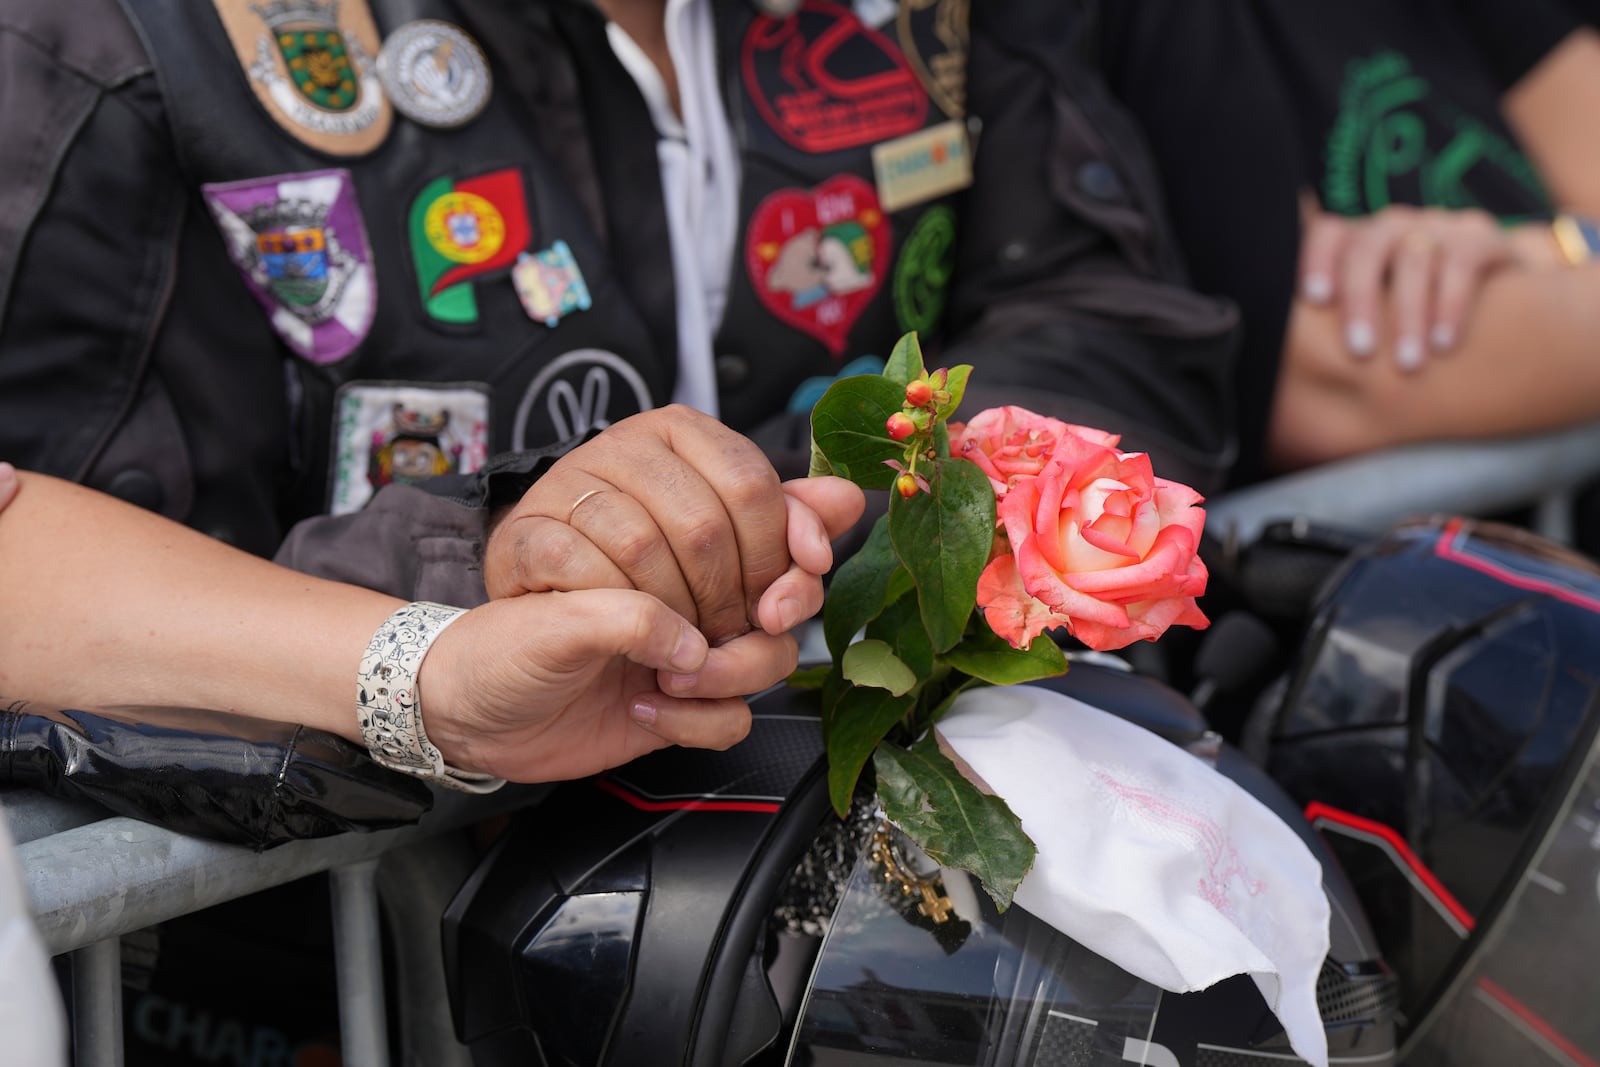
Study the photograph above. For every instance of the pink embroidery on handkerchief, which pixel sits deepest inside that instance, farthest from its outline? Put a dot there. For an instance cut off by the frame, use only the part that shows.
(1200, 831)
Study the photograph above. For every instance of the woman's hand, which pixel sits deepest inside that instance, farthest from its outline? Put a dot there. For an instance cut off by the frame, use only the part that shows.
(674, 504)
(551, 686)
(1422, 267)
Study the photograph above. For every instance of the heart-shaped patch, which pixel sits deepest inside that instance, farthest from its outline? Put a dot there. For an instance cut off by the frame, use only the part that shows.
(817, 256)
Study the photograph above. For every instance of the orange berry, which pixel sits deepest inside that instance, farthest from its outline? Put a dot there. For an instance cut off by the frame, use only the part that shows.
(918, 393)
(906, 485)
(900, 426)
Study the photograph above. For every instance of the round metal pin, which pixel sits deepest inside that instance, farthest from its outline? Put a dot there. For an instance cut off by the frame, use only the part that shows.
(434, 73)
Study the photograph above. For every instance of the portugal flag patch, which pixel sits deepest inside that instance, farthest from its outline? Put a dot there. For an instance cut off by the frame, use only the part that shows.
(462, 231)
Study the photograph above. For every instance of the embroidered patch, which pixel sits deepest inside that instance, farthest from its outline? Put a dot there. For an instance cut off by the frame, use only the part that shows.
(434, 73)
(922, 166)
(311, 64)
(549, 284)
(933, 34)
(463, 231)
(823, 81)
(403, 432)
(817, 256)
(578, 391)
(300, 244)
(922, 273)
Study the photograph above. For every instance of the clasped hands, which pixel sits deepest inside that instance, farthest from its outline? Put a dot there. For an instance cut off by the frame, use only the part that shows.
(641, 589)
(1406, 278)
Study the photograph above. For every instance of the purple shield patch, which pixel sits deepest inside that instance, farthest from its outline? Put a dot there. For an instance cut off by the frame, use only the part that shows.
(299, 241)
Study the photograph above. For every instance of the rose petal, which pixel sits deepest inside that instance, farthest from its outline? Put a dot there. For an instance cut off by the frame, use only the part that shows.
(1165, 567)
(1174, 496)
(1110, 533)
(1017, 510)
(1053, 589)
(1079, 555)
(1134, 469)
(1008, 608)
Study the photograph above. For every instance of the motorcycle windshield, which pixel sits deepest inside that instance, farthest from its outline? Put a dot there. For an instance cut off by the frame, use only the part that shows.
(1527, 994)
(921, 968)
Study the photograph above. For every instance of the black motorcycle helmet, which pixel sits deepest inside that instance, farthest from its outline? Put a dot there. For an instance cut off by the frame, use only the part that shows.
(1438, 728)
(709, 910)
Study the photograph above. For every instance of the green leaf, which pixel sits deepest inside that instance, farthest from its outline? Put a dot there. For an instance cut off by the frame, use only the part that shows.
(956, 386)
(900, 582)
(860, 588)
(834, 687)
(860, 721)
(990, 657)
(943, 537)
(900, 626)
(847, 427)
(810, 677)
(874, 663)
(905, 362)
(819, 463)
(951, 820)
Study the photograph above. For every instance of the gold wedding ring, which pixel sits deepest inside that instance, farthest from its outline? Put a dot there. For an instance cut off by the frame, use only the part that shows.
(1418, 241)
(580, 500)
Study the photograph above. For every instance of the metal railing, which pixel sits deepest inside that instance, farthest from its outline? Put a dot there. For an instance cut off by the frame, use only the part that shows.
(1370, 493)
(92, 879)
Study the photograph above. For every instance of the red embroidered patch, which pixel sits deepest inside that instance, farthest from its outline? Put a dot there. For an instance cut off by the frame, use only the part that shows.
(817, 256)
(823, 81)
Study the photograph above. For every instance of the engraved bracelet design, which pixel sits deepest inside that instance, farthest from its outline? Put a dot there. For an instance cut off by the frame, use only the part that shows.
(386, 698)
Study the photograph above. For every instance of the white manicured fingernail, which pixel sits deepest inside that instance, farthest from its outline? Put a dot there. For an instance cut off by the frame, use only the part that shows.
(1318, 288)
(1360, 338)
(1408, 353)
(1443, 336)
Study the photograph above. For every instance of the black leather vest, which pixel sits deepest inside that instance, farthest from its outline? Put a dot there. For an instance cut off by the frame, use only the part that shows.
(836, 255)
(542, 383)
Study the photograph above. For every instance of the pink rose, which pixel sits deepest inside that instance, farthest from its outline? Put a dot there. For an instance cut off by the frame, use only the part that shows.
(1100, 545)
(1012, 443)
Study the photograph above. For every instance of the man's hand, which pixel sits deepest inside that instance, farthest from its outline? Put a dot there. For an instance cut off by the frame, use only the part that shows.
(552, 686)
(674, 504)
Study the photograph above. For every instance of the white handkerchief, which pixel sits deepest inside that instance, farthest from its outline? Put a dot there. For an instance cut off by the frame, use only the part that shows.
(1149, 856)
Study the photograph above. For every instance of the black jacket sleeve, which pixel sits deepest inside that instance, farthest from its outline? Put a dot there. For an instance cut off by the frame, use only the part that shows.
(1070, 297)
(208, 774)
(90, 208)
(1513, 38)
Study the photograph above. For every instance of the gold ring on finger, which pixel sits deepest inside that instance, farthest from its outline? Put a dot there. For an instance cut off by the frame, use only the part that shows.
(580, 500)
(1418, 241)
